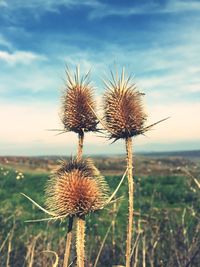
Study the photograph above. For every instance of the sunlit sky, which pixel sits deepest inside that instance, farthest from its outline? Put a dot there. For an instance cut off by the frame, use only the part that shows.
(156, 41)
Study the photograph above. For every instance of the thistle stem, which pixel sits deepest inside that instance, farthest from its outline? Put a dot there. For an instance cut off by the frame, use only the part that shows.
(80, 241)
(68, 242)
(80, 145)
(131, 198)
(70, 225)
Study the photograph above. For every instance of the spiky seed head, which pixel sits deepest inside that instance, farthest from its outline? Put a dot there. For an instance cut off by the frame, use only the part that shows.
(76, 188)
(78, 104)
(123, 110)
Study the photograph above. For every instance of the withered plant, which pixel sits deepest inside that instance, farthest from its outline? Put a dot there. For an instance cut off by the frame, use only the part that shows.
(77, 100)
(125, 118)
(77, 116)
(75, 189)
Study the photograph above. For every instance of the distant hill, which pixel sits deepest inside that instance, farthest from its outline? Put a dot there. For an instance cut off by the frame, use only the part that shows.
(185, 154)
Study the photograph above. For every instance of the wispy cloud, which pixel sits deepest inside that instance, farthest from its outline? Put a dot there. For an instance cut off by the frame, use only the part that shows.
(20, 57)
(37, 7)
(193, 88)
(4, 42)
(35, 82)
(101, 9)
(168, 74)
(3, 3)
(150, 7)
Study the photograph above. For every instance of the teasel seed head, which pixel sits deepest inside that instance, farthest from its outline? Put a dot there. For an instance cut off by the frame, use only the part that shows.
(123, 110)
(76, 188)
(78, 103)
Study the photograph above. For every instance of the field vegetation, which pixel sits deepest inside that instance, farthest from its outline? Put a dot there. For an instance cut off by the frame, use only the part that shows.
(167, 214)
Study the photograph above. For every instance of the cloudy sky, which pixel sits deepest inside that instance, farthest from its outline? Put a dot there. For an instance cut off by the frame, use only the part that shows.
(156, 40)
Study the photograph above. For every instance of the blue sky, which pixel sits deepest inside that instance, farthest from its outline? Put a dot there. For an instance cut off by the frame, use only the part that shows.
(157, 41)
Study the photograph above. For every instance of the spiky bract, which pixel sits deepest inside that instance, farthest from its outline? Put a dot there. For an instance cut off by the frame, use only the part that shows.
(78, 103)
(123, 111)
(76, 188)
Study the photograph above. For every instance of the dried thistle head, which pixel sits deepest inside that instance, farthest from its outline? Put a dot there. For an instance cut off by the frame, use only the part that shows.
(78, 103)
(76, 188)
(123, 111)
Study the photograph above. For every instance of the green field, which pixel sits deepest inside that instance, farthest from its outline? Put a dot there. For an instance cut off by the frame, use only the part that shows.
(166, 229)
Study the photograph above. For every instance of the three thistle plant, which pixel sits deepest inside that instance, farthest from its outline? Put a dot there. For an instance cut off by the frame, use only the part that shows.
(76, 187)
(125, 118)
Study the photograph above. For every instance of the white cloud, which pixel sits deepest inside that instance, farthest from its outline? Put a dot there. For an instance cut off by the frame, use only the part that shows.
(87, 60)
(179, 83)
(38, 7)
(31, 73)
(151, 7)
(179, 73)
(4, 42)
(24, 78)
(193, 88)
(182, 5)
(100, 9)
(3, 3)
(20, 57)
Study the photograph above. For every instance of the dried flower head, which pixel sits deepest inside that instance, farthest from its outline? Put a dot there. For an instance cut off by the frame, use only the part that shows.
(123, 111)
(76, 188)
(78, 102)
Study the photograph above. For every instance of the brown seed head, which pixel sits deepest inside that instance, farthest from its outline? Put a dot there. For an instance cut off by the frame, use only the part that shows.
(123, 111)
(78, 102)
(76, 188)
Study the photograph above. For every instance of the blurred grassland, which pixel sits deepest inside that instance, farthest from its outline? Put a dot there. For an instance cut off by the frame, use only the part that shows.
(165, 205)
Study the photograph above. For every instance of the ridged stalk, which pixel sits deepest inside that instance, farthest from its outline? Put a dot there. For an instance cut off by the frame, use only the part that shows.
(70, 224)
(80, 241)
(80, 145)
(131, 199)
(68, 242)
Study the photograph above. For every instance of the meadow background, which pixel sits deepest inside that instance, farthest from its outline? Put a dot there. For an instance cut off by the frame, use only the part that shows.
(167, 221)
